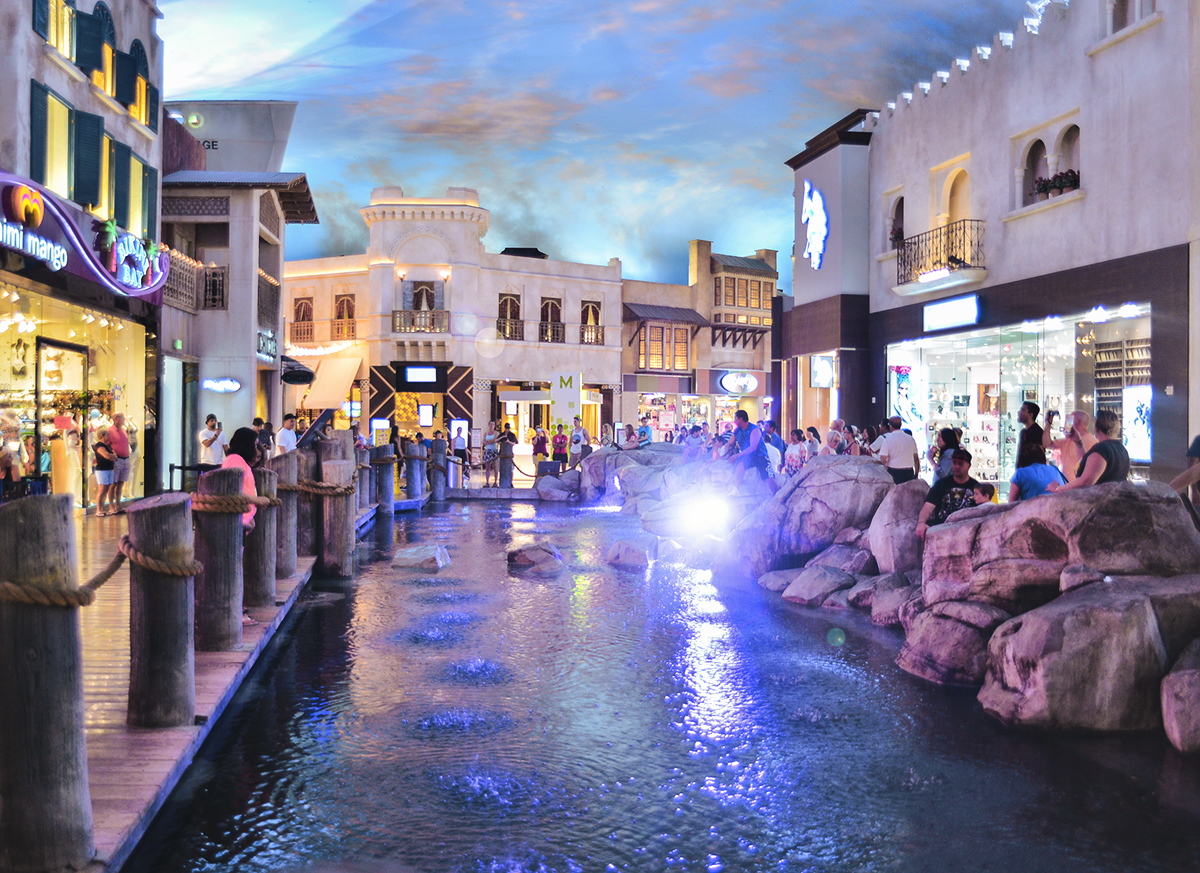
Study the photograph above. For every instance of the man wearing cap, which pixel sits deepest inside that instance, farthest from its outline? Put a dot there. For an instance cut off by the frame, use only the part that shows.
(948, 494)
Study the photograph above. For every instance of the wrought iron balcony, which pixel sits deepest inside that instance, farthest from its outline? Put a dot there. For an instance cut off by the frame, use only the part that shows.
(591, 334)
(941, 258)
(552, 332)
(510, 328)
(300, 332)
(422, 321)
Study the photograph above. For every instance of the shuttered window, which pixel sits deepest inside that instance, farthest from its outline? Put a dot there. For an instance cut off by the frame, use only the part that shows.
(58, 168)
(741, 292)
(121, 158)
(681, 348)
(38, 108)
(768, 293)
(755, 292)
(717, 291)
(89, 159)
(150, 202)
(137, 197)
(729, 291)
(654, 360)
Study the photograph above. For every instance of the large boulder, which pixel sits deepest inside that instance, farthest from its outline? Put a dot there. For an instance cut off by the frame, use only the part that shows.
(778, 580)
(541, 559)
(848, 559)
(814, 584)
(551, 488)
(893, 531)
(1180, 696)
(1090, 660)
(948, 643)
(1014, 557)
(572, 479)
(421, 558)
(827, 496)
(640, 481)
(886, 605)
(593, 472)
(633, 554)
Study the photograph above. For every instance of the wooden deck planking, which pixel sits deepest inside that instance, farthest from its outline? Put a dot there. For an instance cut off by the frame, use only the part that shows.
(132, 770)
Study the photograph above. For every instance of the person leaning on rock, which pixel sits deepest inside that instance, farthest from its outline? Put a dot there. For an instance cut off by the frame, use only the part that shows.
(1106, 461)
(948, 494)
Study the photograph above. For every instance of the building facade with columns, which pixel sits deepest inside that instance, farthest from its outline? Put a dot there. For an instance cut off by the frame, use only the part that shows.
(430, 330)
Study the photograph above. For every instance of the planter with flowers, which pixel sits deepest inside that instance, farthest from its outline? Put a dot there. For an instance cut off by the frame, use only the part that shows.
(897, 237)
(1041, 187)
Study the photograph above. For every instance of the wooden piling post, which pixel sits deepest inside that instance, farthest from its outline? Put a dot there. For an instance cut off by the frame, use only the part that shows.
(362, 464)
(506, 464)
(385, 478)
(261, 545)
(285, 517)
(308, 505)
(414, 474)
(369, 474)
(337, 542)
(219, 547)
(162, 657)
(437, 470)
(45, 805)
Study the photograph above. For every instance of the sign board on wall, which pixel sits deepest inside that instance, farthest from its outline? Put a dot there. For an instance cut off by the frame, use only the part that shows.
(955, 312)
(566, 398)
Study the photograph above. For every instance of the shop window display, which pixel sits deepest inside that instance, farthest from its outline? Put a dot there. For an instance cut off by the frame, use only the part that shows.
(977, 381)
(64, 372)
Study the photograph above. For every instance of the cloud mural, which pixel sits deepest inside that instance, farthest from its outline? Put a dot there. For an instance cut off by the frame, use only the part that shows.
(591, 131)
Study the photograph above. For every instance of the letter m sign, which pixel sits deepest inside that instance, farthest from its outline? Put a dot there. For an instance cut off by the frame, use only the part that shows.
(566, 381)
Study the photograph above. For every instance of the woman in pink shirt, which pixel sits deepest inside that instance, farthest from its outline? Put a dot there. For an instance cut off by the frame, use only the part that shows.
(243, 448)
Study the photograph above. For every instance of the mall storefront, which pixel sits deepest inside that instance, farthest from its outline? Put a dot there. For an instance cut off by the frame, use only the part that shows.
(1104, 337)
(712, 397)
(76, 311)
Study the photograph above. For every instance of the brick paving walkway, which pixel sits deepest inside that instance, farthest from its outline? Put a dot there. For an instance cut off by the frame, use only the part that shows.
(132, 770)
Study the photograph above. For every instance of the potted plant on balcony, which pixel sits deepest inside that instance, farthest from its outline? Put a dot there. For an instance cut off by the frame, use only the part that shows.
(1070, 179)
(897, 236)
(1041, 187)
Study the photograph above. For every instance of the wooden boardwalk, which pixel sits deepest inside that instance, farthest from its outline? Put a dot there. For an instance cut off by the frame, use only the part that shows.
(132, 770)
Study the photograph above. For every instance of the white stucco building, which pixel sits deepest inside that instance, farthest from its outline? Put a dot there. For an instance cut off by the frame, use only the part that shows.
(1079, 297)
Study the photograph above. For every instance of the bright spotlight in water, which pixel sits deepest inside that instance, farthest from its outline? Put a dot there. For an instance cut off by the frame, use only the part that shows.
(711, 512)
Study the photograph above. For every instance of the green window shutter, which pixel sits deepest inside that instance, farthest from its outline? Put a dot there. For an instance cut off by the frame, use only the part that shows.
(121, 155)
(89, 145)
(89, 42)
(152, 107)
(150, 200)
(39, 117)
(439, 291)
(125, 68)
(41, 18)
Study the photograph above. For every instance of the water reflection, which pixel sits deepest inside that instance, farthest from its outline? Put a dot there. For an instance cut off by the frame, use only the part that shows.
(608, 720)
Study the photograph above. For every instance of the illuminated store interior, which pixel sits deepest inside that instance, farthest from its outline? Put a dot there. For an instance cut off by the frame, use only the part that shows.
(977, 380)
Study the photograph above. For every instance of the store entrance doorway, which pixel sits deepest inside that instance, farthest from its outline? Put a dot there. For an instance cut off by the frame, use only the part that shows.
(61, 404)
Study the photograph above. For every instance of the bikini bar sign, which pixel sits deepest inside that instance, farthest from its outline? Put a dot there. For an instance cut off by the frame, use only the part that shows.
(38, 226)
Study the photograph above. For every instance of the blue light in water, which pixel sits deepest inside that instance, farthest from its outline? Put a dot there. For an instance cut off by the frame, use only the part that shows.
(836, 636)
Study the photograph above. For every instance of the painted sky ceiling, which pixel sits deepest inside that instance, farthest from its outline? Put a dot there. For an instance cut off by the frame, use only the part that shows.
(591, 131)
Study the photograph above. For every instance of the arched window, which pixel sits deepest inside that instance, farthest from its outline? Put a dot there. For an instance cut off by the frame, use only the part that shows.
(139, 108)
(510, 307)
(551, 310)
(896, 232)
(1036, 168)
(589, 313)
(343, 307)
(959, 206)
(1068, 149)
(1121, 15)
(423, 296)
(104, 77)
(302, 309)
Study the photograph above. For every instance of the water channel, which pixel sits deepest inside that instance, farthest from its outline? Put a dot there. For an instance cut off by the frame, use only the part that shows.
(609, 720)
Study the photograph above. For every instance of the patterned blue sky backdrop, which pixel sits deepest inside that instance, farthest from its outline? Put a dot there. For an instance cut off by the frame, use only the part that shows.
(591, 131)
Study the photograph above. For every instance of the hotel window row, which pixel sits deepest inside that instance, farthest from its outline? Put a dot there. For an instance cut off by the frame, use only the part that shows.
(72, 155)
(749, 293)
(663, 347)
(90, 42)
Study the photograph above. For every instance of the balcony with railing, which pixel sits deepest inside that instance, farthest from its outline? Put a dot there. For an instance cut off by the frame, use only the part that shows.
(552, 332)
(941, 258)
(510, 328)
(591, 334)
(343, 329)
(184, 282)
(423, 321)
(300, 332)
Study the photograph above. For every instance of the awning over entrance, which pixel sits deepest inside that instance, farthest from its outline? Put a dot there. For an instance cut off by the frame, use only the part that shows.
(332, 385)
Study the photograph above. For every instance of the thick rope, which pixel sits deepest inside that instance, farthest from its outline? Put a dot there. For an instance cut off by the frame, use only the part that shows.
(285, 487)
(311, 486)
(157, 565)
(379, 462)
(225, 504)
(85, 595)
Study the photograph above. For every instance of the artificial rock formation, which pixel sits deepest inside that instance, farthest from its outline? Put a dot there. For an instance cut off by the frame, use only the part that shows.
(542, 559)
(421, 558)
(814, 584)
(893, 531)
(1180, 696)
(948, 644)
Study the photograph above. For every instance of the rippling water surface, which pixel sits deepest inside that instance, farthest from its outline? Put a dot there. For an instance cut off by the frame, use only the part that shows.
(608, 720)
